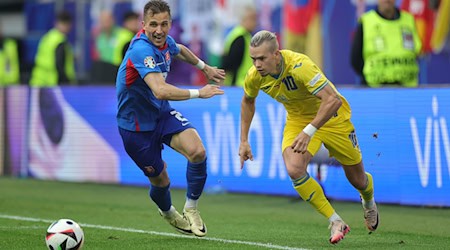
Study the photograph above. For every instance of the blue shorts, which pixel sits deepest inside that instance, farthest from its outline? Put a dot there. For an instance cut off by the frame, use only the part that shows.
(145, 147)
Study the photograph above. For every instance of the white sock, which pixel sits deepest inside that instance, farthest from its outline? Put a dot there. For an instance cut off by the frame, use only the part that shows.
(334, 217)
(170, 211)
(368, 204)
(190, 203)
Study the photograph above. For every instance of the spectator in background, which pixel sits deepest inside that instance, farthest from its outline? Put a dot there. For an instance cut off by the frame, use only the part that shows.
(236, 60)
(131, 26)
(9, 61)
(108, 53)
(111, 44)
(54, 61)
(111, 40)
(385, 47)
(105, 42)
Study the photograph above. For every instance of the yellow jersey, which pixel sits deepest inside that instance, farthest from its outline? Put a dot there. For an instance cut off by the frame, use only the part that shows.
(295, 87)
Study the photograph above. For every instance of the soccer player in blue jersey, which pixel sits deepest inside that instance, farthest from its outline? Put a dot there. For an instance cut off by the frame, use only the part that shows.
(147, 121)
(316, 114)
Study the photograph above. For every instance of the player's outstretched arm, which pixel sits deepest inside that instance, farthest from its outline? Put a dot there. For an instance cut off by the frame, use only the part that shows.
(210, 90)
(247, 113)
(212, 73)
(165, 91)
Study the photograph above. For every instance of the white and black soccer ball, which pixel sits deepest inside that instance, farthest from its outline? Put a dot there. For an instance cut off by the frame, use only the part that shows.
(64, 234)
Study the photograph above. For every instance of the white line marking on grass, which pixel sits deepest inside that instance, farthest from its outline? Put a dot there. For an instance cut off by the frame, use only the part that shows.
(22, 227)
(132, 230)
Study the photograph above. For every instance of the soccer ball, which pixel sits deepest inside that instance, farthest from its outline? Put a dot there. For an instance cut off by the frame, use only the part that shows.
(64, 234)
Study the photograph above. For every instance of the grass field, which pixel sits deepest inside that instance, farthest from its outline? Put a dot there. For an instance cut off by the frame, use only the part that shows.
(123, 217)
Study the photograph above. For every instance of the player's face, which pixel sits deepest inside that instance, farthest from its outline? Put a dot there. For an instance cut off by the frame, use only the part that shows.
(264, 59)
(386, 5)
(251, 20)
(134, 25)
(64, 27)
(157, 28)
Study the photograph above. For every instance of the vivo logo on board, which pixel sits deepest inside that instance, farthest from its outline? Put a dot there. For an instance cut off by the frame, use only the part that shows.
(436, 132)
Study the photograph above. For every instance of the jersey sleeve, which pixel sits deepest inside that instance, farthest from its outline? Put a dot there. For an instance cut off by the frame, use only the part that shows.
(252, 83)
(144, 61)
(173, 47)
(311, 76)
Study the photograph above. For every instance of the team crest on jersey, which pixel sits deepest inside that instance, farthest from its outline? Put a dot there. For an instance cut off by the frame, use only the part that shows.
(149, 62)
(167, 56)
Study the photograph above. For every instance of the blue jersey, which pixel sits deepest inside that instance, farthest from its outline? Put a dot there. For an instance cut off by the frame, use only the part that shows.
(138, 108)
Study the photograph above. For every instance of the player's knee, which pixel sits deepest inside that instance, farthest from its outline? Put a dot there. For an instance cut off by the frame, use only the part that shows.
(154, 169)
(295, 173)
(197, 155)
(160, 179)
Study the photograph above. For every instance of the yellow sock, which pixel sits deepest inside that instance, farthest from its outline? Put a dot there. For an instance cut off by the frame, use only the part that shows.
(312, 192)
(367, 193)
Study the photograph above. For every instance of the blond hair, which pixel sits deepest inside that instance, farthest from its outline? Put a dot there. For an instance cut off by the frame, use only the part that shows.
(265, 36)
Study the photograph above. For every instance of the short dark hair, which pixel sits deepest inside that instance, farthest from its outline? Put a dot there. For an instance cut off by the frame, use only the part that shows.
(64, 17)
(130, 15)
(155, 7)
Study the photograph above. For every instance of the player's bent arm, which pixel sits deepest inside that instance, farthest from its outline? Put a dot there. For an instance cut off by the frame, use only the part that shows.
(212, 73)
(188, 56)
(330, 103)
(163, 90)
(247, 113)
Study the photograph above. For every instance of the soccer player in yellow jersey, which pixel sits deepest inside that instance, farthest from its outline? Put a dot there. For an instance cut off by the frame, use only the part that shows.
(316, 114)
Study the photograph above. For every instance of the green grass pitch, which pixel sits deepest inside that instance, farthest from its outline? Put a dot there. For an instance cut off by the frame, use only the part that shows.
(123, 217)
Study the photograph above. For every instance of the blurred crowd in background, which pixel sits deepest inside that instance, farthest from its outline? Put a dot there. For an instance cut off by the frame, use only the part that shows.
(323, 29)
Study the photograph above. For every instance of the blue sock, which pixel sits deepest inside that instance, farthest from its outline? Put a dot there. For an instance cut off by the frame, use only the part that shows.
(161, 196)
(196, 178)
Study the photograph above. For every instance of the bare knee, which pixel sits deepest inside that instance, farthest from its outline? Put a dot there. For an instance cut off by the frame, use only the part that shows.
(296, 170)
(295, 173)
(296, 163)
(162, 180)
(198, 154)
